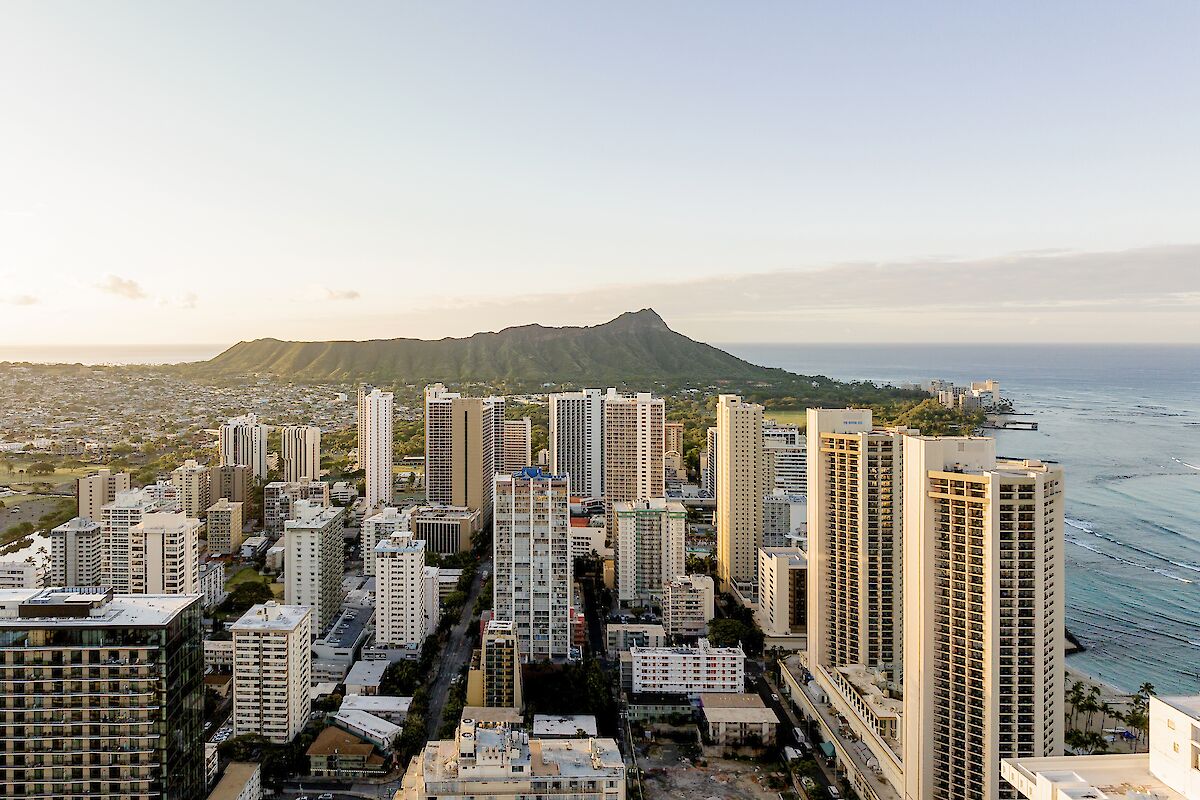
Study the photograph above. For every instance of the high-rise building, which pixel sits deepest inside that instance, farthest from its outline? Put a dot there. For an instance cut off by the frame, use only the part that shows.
(402, 604)
(517, 452)
(116, 519)
(460, 441)
(576, 440)
(673, 437)
(98, 489)
(855, 526)
(124, 718)
(633, 449)
(230, 482)
(782, 591)
(532, 556)
(243, 441)
(279, 498)
(741, 486)
(224, 527)
(272, 671)
(983, 616)
(708, 463)
(787, 458)
(300, 452)
(650, 545)
(689, 602)
(364, 391)
(314, 560)
(76, 553)
(375, 446)
(379, 526)
(193, 485)
(493, 759)
(164, 553)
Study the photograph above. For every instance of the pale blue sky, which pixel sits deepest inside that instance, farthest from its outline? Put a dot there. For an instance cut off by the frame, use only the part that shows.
(184, 172)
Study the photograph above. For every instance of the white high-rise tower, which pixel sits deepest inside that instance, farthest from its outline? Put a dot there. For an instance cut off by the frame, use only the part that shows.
(244, 443)
(741, 484)
(375, 448)
(577, 439)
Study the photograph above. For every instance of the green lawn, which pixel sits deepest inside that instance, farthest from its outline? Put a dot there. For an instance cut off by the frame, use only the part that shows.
(787, 416)
(249, 574)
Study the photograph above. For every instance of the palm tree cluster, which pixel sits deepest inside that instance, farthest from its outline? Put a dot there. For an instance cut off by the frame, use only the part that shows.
(1084, 701)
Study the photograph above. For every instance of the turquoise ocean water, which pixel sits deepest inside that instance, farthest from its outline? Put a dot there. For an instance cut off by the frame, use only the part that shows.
(1124, 421)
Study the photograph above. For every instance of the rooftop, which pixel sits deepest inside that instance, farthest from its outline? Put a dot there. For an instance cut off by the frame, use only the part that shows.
(272, 616)
(77, 524)
(369, 724)
(1101, 777)
(443, 512)
(366, 673)
(89, 606)
(234, 781)
(335, 741)
(376, 703)
(348, 628)
(576, 726)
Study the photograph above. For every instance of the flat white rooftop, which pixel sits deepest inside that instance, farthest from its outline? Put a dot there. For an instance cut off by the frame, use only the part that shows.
(87, 607)
(271, 617)
(1102, 777)
(575, 726)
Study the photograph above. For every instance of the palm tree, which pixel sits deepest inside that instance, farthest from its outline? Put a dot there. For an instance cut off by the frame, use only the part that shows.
(1075, 698)
(1093, 704)
(1146, 689)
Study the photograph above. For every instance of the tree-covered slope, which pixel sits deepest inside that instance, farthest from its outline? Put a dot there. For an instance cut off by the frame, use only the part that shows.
(634, 346)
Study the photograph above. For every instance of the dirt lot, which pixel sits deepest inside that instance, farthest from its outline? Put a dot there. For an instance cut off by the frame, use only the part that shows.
(721, 779)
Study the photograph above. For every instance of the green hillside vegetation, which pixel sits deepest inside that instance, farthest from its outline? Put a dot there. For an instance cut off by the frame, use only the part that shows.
(635, 350)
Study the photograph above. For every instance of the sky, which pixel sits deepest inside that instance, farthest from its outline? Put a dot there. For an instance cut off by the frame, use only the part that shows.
(785, 172)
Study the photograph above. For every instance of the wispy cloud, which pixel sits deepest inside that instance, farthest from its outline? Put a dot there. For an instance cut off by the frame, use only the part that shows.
(1081, 296)
(187, 300)
(20, 300)
(121, 287)
(318, 292)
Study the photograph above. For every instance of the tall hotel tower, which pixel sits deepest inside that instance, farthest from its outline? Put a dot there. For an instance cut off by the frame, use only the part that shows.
(461, 436)
(244, 443)
(532, 555)
(633, 450)
(854, 542)
(983, 616)
(741, 483)
(577, 440)
(375, 446)
(300, 452)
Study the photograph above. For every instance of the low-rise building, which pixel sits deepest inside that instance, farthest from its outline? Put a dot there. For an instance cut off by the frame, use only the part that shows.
(18, 575)
(623, 636)
(339, 754)
(445, 529)
(392, 709)
(497, 760)
(1167, 772)
(218, 653)
(365, 677)
(241, 781)
(738, 719)
(343, 642)
(368, 727)
(688, 670)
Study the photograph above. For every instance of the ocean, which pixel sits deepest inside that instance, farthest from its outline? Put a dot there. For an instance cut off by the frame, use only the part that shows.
(110, 353)
(1124, 421)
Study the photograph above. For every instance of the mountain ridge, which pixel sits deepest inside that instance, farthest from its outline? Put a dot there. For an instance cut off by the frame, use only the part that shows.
(636, 345)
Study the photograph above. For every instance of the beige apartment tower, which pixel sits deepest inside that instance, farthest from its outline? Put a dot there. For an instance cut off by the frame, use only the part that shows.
(517, 452)
(983, 616)
(300, 452)
(633, 450)
(460, 459)
(741, 484)
(98, 489)
(855, 527)
(193, 482)
(224, 527)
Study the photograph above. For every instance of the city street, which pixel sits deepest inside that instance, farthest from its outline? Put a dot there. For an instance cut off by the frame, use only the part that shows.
(455, 654)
